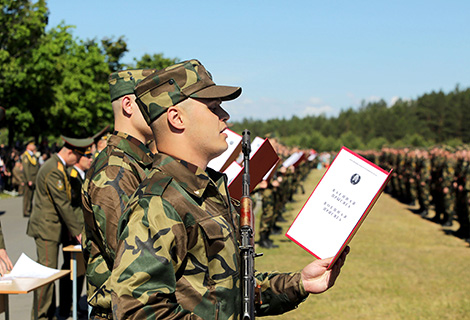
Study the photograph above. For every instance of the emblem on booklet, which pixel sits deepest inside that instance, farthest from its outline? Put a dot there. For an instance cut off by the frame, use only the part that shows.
(355, 179)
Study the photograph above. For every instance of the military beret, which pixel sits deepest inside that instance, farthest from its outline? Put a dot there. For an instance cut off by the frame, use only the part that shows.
(123, 82)
(79, 145)
(171, 85)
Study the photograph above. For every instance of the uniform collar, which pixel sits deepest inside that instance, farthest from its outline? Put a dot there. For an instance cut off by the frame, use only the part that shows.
(132, 146)
(80, 172)
(192, 178)
(61, 159)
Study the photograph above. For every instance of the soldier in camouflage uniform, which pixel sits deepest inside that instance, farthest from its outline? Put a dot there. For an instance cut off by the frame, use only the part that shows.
(52, 211)
(461, 201)
(423, 179)
(30, 170)
(114, 176)
(178, 252)
(266, 221)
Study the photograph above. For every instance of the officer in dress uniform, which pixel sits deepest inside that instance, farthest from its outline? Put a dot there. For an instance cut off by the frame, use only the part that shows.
(30, 170)
(52, 210)
(77, 176)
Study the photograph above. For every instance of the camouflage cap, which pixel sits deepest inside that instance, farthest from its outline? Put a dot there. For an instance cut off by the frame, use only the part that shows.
(78, 145)
(169, 86)
(123, 82)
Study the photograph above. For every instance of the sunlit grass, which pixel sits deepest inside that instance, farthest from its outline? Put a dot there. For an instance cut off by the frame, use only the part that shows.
(400, 267)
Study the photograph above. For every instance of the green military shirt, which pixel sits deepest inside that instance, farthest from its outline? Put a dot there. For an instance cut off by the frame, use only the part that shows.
(30, 167)
(178, 253)
(114, 175)
(52, 205)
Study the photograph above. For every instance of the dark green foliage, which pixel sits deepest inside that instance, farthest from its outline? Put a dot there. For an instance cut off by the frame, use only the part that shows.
(155, 61)
(433, 118)
(52, 83)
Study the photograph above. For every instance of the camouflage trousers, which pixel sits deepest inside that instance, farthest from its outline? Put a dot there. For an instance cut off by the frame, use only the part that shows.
(267, 213)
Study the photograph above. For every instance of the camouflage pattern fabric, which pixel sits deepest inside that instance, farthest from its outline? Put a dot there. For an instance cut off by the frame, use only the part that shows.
(178, 253)
(173, 84)
(123, 82)
(111, 180)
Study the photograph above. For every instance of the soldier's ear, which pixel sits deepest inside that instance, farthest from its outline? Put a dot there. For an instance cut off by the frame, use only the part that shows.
(127, 106)
(175, 118)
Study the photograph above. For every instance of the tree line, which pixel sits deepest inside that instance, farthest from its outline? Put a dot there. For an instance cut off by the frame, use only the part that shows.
(52, 83)
(433, 118)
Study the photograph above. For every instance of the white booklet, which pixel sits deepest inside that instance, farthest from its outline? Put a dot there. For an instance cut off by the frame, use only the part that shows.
(339, 204)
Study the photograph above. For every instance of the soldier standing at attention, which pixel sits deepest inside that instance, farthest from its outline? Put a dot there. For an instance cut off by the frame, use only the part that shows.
(114, 176)
(51, 211)
(178, 254)
(30, 170)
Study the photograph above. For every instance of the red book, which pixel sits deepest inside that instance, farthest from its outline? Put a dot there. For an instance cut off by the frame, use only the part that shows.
(261, 161)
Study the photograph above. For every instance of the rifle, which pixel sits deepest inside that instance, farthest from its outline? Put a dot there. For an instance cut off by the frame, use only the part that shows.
(247, 250)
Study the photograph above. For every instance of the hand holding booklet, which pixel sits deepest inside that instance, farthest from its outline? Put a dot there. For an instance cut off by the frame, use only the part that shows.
(339, 204)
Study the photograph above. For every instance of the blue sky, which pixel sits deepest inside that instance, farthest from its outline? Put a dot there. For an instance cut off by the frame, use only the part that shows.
(298, 57)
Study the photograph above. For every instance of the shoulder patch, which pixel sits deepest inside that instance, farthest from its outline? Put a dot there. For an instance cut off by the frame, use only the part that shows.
(60, 185)
(74, 173)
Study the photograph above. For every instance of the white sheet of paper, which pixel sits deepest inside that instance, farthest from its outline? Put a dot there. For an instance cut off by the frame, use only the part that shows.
(255, 145)
(232, 171)
(25, 267)
(233, 139)
(336, 205)
(266, 176)
(6, 279)
(292, 159)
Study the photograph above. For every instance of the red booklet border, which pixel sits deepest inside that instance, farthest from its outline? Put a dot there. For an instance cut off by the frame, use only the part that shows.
(363, 216)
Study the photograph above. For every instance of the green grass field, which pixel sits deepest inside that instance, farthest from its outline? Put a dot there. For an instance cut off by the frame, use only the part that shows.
(401, 266)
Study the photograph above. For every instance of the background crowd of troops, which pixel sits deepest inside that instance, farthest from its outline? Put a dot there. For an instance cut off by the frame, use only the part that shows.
(20, 167)
(279, 190)
(435, 180)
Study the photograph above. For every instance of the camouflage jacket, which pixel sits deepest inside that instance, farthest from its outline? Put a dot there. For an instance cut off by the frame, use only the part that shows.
(178, 255)
(52, 203)
(113, 177)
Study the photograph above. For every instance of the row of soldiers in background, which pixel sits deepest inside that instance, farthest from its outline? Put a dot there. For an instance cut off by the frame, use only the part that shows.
(279, 190)
(19, 170)
(438, 179)
(19, 166)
